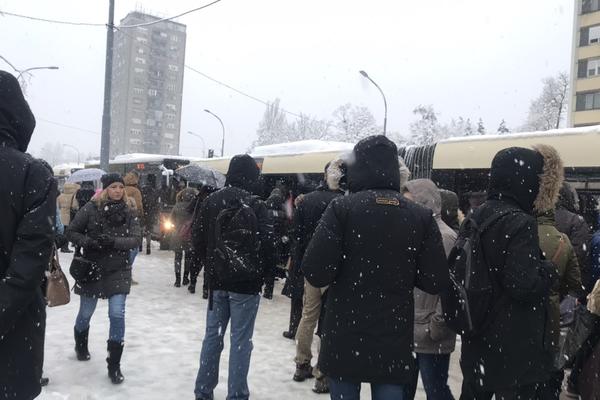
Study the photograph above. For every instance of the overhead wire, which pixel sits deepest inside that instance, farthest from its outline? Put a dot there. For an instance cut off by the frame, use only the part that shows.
(170, 18)
(67, 126)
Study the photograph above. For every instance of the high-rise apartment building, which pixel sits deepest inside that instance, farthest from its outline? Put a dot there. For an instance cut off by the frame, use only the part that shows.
(585, 65)
(147, 85)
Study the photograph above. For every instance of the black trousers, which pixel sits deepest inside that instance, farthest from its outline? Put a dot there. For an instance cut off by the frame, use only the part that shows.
(187, 262)
(295, 314)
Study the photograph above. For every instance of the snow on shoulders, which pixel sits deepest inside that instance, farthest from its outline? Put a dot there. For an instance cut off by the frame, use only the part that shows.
(300, 147)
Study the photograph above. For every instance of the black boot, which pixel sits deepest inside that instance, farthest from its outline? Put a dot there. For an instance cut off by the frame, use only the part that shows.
(177, 280)
(204, 292)
(81, 344)
(192, 288)
(303, 372)
(115, 350)
(186, 274)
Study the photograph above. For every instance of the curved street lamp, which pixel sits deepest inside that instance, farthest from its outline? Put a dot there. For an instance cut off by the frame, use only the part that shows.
(202, 139)
(223, 127)
(363, 73)
(77, 150)
(33, 68)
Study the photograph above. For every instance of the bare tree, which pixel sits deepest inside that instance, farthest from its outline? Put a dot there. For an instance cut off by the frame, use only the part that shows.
(547, 111)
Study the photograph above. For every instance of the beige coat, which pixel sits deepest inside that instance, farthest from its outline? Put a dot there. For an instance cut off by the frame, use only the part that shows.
(65, 202)
(131, 188)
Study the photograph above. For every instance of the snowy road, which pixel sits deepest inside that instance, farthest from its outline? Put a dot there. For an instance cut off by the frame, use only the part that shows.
(164, 329)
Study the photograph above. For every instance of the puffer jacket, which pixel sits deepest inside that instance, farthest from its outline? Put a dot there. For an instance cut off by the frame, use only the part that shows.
(432, 336)
(28, 203)
(116, 220)
(512, 350)
(65, 202)
(372, 248)
(132, 189)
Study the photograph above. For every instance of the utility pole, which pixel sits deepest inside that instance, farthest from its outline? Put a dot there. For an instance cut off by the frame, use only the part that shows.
(105, 140)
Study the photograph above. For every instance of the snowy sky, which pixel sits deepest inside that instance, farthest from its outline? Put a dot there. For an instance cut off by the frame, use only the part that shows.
(475, 58)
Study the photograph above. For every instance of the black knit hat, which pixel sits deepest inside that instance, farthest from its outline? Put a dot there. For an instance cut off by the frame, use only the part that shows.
(109, 179)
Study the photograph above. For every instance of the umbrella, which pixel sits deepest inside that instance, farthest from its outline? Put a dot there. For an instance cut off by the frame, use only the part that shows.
(202, 175)
(88, 174)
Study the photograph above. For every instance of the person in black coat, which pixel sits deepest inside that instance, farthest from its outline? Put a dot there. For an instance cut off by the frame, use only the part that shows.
(510, 358)
(107, 230)
(28, 201)
(234, 301)
(569, 222)
(372, 248)
(151, 203)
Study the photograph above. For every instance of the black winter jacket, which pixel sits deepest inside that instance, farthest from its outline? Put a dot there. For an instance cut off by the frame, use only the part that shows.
(28, 203)
(114, 271)
(242, 181)
(306, 217)
(372, 248)
(580, 235)
(512, 350)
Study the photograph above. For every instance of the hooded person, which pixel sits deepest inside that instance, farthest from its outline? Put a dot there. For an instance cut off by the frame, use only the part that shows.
(434, 341)
(233, 292)
(568, 221)
(306, 218)
(65, 203)
(510, 358)
(372, 247)
(26, 239)
(450, 209)
(556, 247)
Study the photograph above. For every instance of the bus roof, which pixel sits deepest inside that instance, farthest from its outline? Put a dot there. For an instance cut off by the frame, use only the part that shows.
(578, 147)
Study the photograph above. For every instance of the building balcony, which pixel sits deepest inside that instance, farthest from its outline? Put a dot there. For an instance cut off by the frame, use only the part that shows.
(589, 117)
(591, 84)
(590, 51)
(589, 19)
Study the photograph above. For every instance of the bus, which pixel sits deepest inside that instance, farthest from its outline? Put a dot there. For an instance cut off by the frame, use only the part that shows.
(462, 164)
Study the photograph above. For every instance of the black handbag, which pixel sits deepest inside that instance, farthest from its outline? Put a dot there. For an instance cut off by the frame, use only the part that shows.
(577, 334)
(82, 269)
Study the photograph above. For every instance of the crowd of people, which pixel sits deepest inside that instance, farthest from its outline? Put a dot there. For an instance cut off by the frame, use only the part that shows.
(370, 257)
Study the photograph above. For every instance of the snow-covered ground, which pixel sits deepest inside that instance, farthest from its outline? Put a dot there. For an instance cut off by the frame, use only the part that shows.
(164, 330)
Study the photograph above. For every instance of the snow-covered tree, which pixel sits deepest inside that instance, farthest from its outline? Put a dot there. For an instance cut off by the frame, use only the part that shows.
(480, 127)
(273, 128)
(352, 123)
(425, 130)
(54, 153)
(502, 129)
(547, 111)
(305, 128)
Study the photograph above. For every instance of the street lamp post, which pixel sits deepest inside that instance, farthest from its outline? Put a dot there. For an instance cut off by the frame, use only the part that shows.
(34, 68)
(202, 139)
(223, 127)
(363, 73)
(77, 150)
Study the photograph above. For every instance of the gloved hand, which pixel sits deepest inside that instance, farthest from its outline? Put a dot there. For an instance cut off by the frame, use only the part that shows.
(90, 244)
(106, 241)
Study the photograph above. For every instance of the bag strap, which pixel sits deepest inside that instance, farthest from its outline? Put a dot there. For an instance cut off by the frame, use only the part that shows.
(559, 251)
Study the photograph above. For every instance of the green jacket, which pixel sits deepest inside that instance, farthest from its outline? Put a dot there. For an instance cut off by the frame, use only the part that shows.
(569, 280)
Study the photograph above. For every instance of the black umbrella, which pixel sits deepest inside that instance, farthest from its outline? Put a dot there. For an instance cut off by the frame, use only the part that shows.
(201, 175)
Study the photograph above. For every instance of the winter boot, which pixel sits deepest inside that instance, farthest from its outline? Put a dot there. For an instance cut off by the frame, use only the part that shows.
(177, 280)
(289, 335)
(204, 292)
(321, 385)
(268, 292)
(44, 381)
(186, 275)
(81, 344)
(192, 288)
(115, 350)
(303, 372)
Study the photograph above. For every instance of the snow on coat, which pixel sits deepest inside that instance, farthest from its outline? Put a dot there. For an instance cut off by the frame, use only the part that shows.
(372, 247)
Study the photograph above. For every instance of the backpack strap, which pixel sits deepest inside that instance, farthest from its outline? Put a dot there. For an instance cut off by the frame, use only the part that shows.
(559, 251)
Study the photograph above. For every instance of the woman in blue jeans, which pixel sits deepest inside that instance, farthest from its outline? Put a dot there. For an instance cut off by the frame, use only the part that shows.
(107, 230)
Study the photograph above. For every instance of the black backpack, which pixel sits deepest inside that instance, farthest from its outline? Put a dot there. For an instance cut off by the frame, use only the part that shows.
(468, 302)
(236, 244)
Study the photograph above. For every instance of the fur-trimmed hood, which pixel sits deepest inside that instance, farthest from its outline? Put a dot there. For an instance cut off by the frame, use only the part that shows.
(131, 179)
(551, 179)
(335, 173)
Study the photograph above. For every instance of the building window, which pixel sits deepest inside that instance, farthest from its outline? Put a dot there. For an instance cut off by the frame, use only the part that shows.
(139, 70)
(164, 34)
(170, 117)
(175, 38)
(589, 35)
(173, 67)
(135, 131)
(589, 6)
(137, 100)
(140, 51)
(170, 125)
(140, 60)
(588, 101)
(150, 122)
(171, 88)
(136, 121)
(171, 107)
(169, 136)
(152, 92)
(138, 91)
(135, 141)
(588, 68)
(142, 39)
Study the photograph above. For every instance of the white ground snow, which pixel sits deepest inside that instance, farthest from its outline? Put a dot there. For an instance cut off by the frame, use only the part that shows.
(164, 330)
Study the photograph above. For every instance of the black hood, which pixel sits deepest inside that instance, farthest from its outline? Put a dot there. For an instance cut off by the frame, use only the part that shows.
(568, 199)
(374, 165)
(16, 120)
(515, 174)
(243, 173)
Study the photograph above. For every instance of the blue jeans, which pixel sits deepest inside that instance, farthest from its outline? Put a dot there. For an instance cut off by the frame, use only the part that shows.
(132, 255)
(241, 309)
(434, 374)
(344, 390)
(116, 314)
